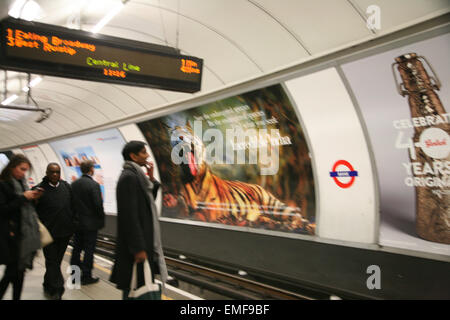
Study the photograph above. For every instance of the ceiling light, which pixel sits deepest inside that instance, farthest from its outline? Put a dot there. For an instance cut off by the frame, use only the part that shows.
(10, 99)
(26, 9)
(107, 18)
(32, 83)
(35, 81)
(16, 7)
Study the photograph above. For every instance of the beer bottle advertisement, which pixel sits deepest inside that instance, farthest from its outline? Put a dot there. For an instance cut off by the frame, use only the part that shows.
(403, 95)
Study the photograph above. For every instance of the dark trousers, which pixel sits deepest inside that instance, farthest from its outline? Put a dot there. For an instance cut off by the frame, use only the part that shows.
(125, 294)
(15, 276)
(54, 254)
(84, 241)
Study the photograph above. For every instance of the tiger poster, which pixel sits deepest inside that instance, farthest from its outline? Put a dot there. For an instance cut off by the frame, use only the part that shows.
(241, 161)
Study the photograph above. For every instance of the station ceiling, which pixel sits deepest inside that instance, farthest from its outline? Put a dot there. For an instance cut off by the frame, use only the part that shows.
(239, 40)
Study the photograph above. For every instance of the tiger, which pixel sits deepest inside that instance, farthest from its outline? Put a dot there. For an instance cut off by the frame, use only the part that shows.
(209, 198)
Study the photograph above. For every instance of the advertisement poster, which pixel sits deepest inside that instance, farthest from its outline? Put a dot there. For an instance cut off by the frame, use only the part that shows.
(404, 97)
(104, 149)
(241, 161)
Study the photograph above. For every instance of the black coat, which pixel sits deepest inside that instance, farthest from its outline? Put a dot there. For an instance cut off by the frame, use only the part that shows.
(55, 209)
(10, 204)
(134, 228)
(88, 204)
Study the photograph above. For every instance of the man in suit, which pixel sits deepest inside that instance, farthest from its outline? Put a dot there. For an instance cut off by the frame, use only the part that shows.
(91, 216)
(138, 232)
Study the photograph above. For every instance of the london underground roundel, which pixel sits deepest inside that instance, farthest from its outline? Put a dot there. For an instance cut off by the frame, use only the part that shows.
(345, 176)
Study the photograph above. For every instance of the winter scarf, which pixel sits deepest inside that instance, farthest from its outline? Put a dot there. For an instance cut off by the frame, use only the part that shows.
(147, 186)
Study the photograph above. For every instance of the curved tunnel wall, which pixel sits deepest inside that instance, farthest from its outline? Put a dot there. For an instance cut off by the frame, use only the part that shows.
(332, 115)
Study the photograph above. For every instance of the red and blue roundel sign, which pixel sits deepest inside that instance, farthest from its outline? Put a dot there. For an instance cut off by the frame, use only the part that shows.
(339, 175)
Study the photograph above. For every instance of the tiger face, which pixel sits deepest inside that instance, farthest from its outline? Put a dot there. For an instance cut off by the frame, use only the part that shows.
(189, 151)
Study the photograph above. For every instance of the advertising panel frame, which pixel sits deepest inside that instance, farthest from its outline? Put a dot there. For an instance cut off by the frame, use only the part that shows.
(240, 95)
(64, 167)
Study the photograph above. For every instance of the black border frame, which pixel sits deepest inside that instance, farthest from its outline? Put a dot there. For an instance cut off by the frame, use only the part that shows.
(91, 74)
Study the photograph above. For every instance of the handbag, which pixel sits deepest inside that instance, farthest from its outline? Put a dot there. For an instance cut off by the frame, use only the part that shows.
(149, 291)
(46, 237)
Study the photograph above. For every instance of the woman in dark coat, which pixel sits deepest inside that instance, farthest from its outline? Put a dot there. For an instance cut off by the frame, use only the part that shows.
(12, 202)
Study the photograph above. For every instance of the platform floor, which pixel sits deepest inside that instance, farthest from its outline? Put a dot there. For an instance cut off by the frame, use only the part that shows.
(102, 290)
(32, 288)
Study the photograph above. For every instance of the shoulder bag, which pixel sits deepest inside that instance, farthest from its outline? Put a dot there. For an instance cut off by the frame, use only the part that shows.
(46, 237)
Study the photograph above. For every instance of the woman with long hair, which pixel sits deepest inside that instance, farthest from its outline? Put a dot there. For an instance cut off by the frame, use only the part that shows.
(19, 230)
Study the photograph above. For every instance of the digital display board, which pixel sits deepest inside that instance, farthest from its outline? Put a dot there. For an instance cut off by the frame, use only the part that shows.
(52, 50)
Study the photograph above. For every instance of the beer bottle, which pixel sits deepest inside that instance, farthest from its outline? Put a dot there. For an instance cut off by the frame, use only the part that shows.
(429, 149)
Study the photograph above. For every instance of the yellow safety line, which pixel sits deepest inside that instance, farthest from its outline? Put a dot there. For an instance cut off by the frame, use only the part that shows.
(102, 269)
(163, 297)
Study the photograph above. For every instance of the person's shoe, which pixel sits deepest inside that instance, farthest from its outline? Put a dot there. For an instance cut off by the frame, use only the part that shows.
(57, 296)
(89, 280)
(48, 293)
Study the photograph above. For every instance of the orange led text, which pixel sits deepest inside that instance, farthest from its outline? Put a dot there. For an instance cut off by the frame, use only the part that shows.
(189, 66)
(114, 73)
(19, 38)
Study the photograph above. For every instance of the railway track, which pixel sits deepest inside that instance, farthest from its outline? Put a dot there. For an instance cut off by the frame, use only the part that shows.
(228, 285)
